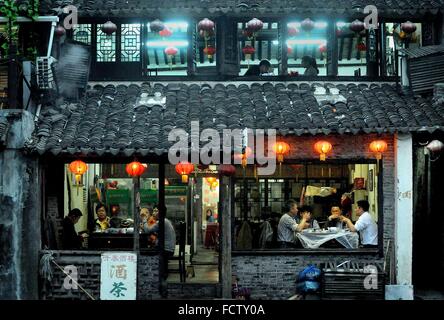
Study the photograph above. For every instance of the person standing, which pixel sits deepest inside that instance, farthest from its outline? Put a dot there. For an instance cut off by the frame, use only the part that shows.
(70, 238)
(366, 226)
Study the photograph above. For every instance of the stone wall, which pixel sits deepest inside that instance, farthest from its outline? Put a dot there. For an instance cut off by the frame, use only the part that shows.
(20, 211)
(274, 276)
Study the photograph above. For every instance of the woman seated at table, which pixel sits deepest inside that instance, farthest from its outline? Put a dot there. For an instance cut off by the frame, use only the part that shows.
(103, 221)
(334, 220)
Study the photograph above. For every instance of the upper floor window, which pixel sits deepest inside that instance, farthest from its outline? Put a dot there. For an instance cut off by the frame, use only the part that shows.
(82, 33)
(307, 47)
(256, 44)
(167, 46)
(106, 46)
(130, 42)
(352, 44)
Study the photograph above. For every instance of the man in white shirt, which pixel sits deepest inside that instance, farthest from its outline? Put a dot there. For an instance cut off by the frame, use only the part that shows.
(365, 225)
(288, 225)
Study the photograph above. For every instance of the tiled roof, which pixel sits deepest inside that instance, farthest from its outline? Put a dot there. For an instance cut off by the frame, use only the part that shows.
(111, 119)
(122, 8)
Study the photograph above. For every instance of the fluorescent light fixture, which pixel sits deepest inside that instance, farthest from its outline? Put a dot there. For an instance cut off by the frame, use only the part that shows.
(297, 25)
(181, 25)
(302, 42)
(166, 43)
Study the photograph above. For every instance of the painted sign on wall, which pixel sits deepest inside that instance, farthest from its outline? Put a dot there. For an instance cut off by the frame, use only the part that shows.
(118, 276)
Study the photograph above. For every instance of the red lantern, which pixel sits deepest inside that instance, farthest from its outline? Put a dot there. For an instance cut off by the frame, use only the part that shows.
(307, 25)
(289, 50)
(184, 169)
(171, 51)
(248, 51)
(361, 47)
(357, 26)
(378, 147)
(292, 31)
(78, 168)
(227, 170)
(165, 33)
(281, 148)
(323, 147)
(210, 52)
(408, 27)
(323, 48)
(59, 31)
(135, 169)
(157, 26)
(254, 25)
(247, 33)
(109, 28)
(205, 25)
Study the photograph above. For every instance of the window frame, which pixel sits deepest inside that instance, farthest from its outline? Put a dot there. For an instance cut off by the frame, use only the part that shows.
(321, 251)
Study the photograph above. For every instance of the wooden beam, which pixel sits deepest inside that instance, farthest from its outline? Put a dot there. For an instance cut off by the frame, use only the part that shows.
(225, 250)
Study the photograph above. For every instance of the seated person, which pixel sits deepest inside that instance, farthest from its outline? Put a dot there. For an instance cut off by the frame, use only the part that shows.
(310, 65)
(309, 222)
(115, 221)
(210, 217)
(70, 238)
(288, 226)
(366, 226)
(103, 221)
(334, 220)
(263, 69)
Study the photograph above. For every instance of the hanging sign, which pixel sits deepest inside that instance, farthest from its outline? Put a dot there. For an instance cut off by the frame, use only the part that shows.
(118, 276)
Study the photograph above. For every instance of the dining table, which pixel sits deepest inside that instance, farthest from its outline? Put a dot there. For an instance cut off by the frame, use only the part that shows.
(314, 238)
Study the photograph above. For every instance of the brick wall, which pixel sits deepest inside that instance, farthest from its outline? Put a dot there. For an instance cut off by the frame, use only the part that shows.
(88, 268)
(193, 291)
(274, 276)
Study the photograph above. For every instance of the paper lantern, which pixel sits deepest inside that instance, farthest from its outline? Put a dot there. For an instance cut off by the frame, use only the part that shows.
(78, 167)
(244, 155)
(357, 26)
(408, 27)
(323, 48)
(281, 148)
(292, 31)
(323, 147)
(307, 25)
(255, 25)
(171, 51)
(59, 31)
(209, 51)
(165, 33)
(248, 51)
(135, 169)
(361, 47)
(205, 25)
(109, 28)
(157, 26)
(378, 147)
(210, 180)
(227, 170)
(289, 50)
(184, 169)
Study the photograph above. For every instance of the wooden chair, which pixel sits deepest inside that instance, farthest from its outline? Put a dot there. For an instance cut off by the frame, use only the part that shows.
(181, 256)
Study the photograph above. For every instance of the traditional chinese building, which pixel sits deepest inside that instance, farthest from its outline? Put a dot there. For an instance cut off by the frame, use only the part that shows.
(111, 90)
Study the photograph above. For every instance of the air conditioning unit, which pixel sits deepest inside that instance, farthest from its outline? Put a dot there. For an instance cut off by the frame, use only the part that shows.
(45, 75)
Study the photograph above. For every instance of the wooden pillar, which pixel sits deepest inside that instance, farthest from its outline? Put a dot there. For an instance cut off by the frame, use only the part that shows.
(372, 53)
(225, 249)
(282, 39)
(136, 215)
(198, 211)
(161, 207)
(13, 77)
(227, 52)
(332, 49)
